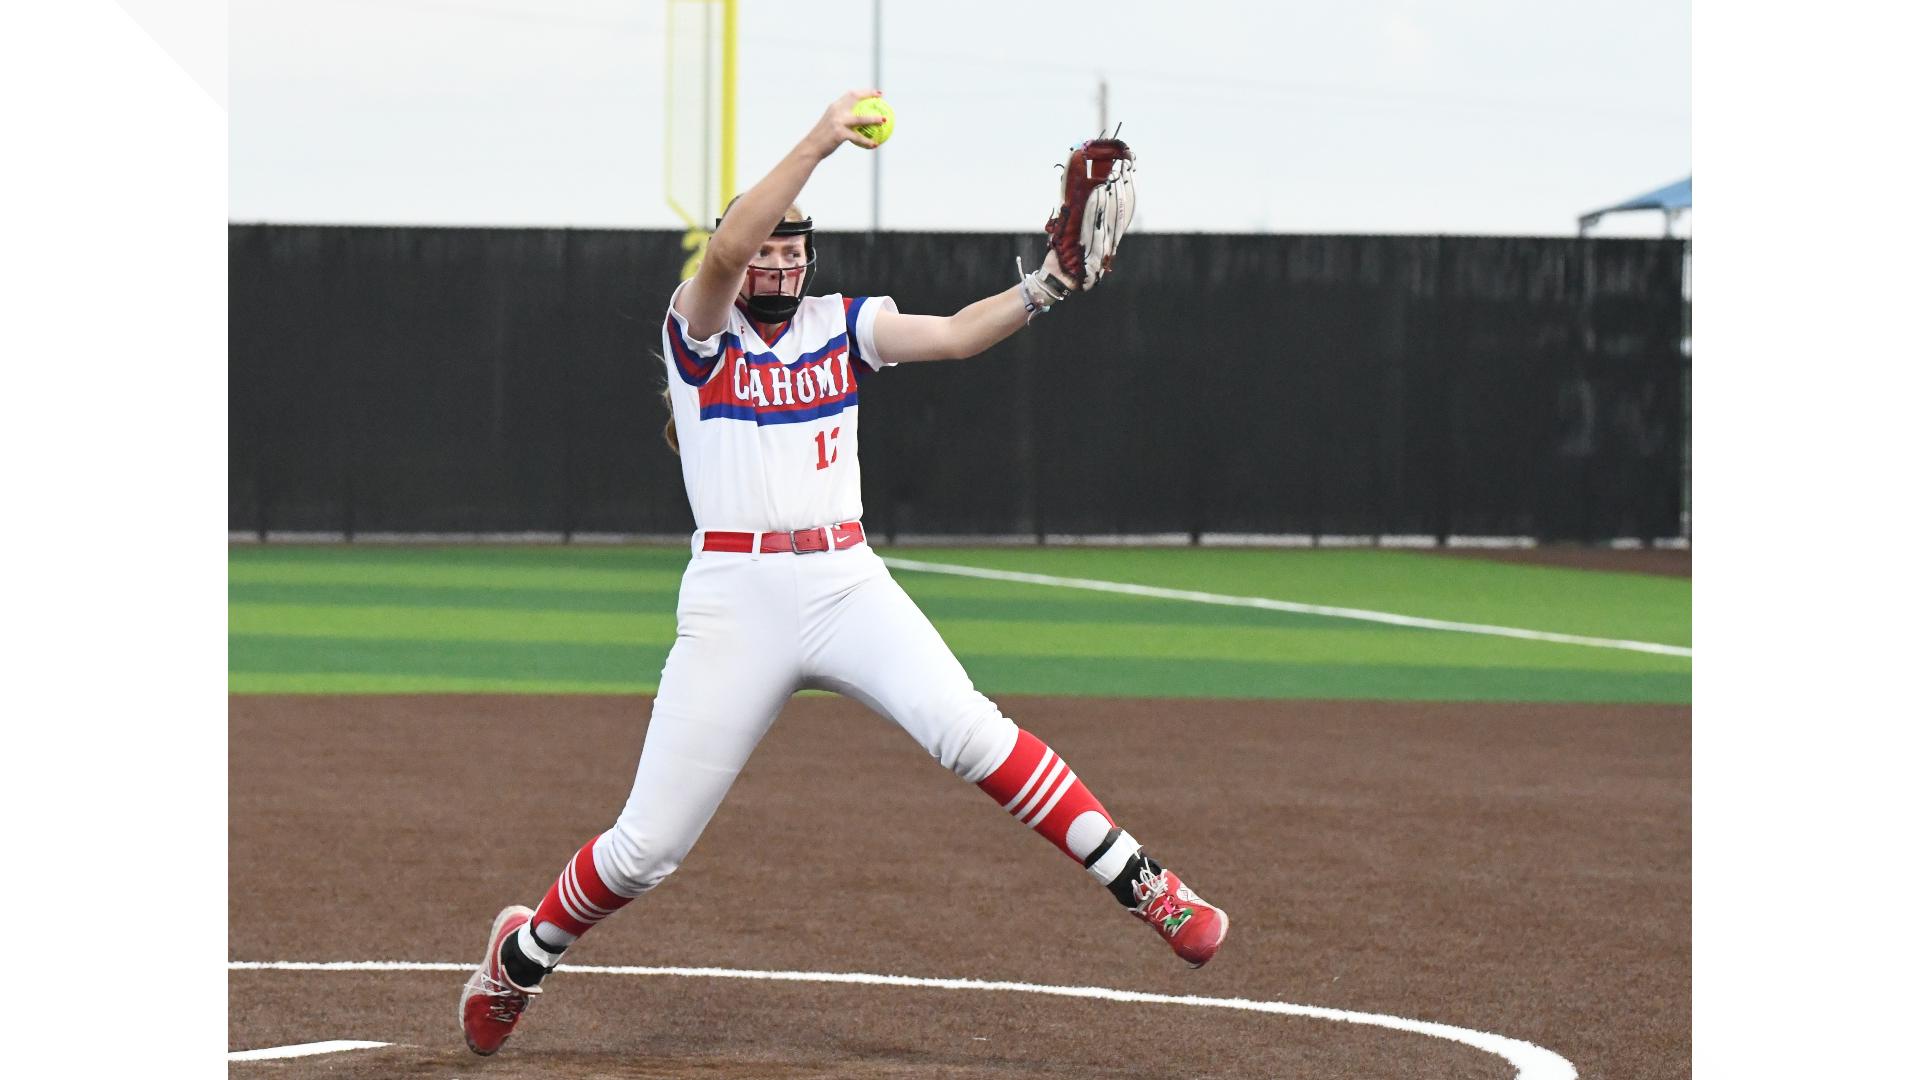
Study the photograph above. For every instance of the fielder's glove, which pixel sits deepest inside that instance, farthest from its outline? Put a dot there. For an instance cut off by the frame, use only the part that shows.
(1096, 206)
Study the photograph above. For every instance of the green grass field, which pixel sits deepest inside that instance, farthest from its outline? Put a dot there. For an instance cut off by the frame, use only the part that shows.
(552, 619)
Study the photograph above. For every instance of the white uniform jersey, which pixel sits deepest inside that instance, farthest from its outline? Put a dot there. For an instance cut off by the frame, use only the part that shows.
(769, 430)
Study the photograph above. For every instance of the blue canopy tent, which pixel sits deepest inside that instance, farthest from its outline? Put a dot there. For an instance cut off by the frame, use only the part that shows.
(1669, 200)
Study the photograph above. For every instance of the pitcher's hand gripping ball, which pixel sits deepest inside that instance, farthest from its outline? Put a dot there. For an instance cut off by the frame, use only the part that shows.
(882, 129)
(1096, 206)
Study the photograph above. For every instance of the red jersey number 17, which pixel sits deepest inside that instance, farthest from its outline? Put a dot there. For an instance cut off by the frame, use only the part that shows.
(820, 441)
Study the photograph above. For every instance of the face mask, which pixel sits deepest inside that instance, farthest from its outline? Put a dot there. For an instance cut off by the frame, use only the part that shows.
(772, 309)
(776, 307)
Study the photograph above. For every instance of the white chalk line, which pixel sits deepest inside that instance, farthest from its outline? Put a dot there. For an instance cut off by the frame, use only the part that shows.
(1531, 1062)
(331, 1046)
(1264, 604)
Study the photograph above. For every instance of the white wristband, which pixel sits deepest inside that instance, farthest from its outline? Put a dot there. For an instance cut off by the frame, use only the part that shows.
(1036, 292)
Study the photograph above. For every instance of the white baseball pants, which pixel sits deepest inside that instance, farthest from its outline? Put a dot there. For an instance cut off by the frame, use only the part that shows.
(753, 629)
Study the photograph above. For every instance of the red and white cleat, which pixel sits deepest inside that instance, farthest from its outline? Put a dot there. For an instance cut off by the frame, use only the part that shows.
(1192, 926)
(490, 1003)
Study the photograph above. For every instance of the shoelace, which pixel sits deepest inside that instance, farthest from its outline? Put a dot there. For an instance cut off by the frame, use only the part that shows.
(508, 1007)
(507, 1003)
(1151, 891)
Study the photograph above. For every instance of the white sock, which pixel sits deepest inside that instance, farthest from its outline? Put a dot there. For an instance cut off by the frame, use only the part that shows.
(1114, 860)
(537, 951)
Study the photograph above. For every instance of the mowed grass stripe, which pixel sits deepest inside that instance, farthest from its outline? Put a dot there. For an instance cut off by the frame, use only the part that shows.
(451, 624)
(1035, 606)
(969, 638)
(573, 663)
(600, 620)
(1041, 606)
(503, 557)
(456, 576)
(632, 601)
(1637, 607)
(242, 682)
(1222, 678)
(941, 596)
(1284, 645)
(333, 665)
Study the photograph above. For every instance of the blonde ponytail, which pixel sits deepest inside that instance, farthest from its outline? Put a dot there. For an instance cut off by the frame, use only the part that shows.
(670, 433)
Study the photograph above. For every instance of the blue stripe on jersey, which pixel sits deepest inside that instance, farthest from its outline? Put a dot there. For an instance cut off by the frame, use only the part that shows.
(730, 343)
(727, 411)
(693, 368)
(853, 328)
(838, 342)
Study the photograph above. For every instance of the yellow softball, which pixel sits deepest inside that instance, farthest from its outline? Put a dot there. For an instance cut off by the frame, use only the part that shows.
(879, 132)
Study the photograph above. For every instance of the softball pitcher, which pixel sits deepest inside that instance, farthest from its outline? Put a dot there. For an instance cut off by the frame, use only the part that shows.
(782, 591)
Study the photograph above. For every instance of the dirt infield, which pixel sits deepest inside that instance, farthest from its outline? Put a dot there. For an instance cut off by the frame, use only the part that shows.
(1665, 562)
(1515, 869)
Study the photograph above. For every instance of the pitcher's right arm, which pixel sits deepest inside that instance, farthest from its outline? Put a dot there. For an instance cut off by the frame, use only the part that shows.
(751, 218)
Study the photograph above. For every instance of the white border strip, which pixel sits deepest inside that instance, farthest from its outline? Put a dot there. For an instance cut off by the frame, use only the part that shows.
(331, 1046)
(1531, 1062)
(1265, 604)
(1206, 539)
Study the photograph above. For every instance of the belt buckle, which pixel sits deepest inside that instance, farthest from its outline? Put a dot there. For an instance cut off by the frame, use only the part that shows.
(793, 542)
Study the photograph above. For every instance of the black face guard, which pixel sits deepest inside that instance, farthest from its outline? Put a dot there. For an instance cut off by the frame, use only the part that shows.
(778, 308)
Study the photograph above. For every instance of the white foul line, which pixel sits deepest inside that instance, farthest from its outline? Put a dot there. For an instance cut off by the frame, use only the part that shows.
(1532, 1062)
(1265, 604)
(331, 1046)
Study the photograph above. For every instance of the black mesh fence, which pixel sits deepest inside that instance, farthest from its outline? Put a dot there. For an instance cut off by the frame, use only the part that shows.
(507, 380)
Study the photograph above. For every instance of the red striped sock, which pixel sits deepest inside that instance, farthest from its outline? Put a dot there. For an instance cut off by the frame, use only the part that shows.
(577, 901)
(1035, 785)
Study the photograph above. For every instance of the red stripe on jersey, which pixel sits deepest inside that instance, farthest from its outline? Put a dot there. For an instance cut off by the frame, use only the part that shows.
(693, 368)
(720, 389)
(775, 388)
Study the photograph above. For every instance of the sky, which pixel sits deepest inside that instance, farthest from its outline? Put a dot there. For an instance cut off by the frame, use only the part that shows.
(1462, 116)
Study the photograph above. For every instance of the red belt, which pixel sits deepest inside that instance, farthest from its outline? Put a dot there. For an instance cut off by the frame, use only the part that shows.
(845, 534)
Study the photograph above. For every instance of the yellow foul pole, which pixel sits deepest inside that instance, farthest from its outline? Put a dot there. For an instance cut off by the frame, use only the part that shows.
(729, 76)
